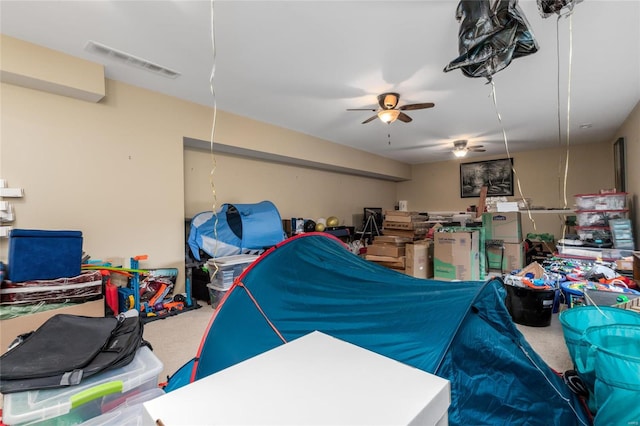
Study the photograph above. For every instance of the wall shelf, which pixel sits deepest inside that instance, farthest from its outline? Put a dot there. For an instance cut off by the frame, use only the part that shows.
(554, 211)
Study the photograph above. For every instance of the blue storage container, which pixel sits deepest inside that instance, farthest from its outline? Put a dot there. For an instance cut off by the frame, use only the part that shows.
(44, 255)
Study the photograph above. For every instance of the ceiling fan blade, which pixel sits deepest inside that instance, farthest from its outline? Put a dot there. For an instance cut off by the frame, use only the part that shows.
(417, 106)
(404, 117)
(476, 149)
(370, 119)
(361, 109)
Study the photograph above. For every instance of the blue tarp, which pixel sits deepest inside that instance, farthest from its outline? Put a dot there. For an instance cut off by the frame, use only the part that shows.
(460, 331)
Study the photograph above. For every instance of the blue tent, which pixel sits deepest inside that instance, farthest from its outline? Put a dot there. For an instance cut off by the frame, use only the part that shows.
(235, 229)
(460, 331)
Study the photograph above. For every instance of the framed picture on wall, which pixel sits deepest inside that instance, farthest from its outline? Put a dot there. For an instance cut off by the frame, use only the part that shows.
(619, 165)
(496, 175)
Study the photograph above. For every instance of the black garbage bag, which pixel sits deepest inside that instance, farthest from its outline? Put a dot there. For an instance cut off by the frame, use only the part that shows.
(492, 34)
(549, 7)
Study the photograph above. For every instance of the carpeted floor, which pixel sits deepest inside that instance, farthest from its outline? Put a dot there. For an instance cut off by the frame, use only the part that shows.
(176, 340)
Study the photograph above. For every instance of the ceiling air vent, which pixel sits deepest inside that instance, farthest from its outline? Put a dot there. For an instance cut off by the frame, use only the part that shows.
(134, 61)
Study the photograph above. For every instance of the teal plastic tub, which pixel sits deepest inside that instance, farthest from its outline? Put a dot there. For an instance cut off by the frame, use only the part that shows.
(575, 322)
(614, 358)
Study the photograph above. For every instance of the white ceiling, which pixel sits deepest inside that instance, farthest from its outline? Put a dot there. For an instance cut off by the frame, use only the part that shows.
(301, 64)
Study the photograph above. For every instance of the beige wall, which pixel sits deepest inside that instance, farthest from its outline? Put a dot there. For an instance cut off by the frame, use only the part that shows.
(114, 169)
(436, 186)
(111, 169)
(630, 131)
(296, 191)
(253, 135)
(117, 170)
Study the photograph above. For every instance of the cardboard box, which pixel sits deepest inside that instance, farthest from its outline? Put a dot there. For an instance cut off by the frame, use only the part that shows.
(624, 264)
(405, 225)
(396, 216)
(456, 255)
(409, 233)
(503, 226)
(390, 239)
(315, 379)
(419, 259)
(391, 250)
(387, 261)
(512, 258)
(12, 328)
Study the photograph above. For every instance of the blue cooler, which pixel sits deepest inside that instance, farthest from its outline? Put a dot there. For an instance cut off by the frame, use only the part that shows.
(44, 255)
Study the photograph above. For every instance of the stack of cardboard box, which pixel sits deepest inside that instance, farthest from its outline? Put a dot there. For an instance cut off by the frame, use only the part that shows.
(505, 229)
(404, 254)
(457, 254)
(405, 224)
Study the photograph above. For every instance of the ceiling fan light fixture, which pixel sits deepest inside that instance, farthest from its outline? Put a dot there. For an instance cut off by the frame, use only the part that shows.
(388, 115)
(459, 153)
(390, 100)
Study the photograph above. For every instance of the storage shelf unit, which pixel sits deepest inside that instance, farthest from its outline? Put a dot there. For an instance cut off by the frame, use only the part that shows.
(594, 213)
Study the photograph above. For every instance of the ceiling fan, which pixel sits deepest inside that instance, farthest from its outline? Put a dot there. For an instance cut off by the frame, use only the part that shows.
(388, 112)
(460, 148)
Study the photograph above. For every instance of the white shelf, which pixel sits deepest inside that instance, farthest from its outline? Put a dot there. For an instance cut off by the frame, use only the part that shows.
(558, 211)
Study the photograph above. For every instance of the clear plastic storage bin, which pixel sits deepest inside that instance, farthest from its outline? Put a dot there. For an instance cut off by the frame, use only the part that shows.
(599, 217)
(93, 396)
(130, 413)
(224, 270)
(595, 232)
(615, 201)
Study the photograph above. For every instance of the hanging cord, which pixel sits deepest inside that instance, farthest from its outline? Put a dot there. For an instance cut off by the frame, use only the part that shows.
(566, 169)
(506, 146)
(214, 206)
(504, 134)
(561, 169)
(563, 189)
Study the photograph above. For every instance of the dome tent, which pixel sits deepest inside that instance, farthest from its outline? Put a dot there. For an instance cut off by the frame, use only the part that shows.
(460, 331)
(236, 229)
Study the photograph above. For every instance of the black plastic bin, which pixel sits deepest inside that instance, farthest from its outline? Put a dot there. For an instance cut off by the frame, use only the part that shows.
(529, 306)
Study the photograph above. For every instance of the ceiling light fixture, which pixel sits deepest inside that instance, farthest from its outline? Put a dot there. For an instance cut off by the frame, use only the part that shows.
(388, 115)
(390, 100)
(460, 152)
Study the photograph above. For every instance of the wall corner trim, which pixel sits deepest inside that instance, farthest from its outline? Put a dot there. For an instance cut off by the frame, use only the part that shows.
(277, 158)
